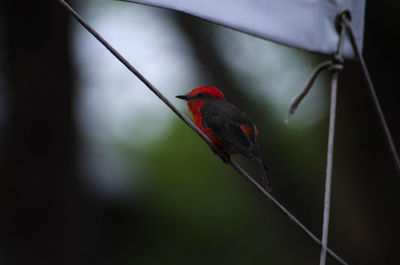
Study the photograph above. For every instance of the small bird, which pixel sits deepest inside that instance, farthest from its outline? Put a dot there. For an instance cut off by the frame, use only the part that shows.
(226, 125)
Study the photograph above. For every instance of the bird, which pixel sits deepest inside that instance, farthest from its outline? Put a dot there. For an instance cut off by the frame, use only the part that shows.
(229, 128)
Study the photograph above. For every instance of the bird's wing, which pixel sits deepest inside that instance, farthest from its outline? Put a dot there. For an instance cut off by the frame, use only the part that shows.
(231, 126)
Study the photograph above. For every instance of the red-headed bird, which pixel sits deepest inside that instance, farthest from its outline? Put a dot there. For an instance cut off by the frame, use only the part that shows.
(226, 125)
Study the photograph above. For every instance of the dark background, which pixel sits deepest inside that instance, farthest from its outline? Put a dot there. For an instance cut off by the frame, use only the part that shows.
(49, 217)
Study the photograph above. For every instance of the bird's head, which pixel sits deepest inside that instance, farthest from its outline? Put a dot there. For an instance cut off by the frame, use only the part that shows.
(196, 97)
(201, 93)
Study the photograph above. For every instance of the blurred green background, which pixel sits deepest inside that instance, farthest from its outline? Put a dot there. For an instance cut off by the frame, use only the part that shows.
(96, 170)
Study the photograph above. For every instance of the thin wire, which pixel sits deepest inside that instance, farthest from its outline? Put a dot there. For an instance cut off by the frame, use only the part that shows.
(374, 97)
(191, 125)
(335, 68)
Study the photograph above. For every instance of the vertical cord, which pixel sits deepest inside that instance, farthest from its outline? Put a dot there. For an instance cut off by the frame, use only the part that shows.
(335, 68)
(329, 164)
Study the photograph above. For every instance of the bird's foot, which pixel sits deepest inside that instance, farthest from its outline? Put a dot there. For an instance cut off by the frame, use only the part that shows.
(222, 154)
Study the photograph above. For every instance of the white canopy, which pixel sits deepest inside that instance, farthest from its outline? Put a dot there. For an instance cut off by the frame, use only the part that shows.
(304, 24)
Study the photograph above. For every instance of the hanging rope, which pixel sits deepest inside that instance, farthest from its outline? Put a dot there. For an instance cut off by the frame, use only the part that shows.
(297, 99)
(200, 133)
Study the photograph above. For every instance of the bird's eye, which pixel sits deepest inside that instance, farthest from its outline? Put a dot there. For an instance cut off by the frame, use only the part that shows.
(200, 95)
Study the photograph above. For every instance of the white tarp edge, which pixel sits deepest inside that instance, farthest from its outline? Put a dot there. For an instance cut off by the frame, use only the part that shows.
(304, 24)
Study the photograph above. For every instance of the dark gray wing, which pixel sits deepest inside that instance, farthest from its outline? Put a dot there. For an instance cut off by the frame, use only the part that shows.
(224, 119)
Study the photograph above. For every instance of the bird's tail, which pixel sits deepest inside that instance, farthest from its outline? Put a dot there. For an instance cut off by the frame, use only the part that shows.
(263, 169)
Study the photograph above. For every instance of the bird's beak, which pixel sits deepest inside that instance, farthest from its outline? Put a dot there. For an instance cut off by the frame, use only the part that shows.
(184, 97)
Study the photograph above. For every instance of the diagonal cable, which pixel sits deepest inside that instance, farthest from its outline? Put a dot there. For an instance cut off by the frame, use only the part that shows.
(191, 125)
(374, 97)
